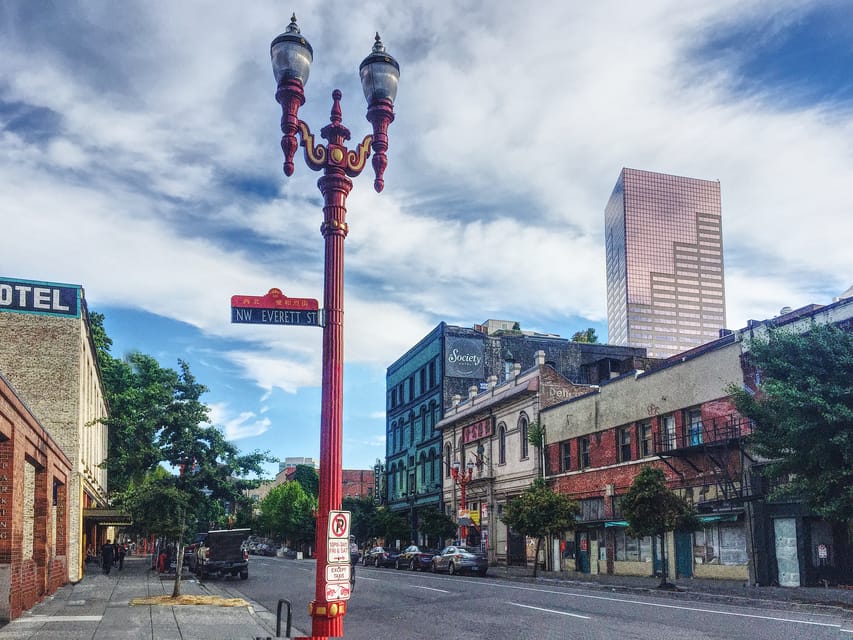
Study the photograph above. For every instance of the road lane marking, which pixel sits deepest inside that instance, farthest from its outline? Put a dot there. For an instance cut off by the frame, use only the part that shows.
(417, 586)
(361, 577)
(562, 613)
(650, 604)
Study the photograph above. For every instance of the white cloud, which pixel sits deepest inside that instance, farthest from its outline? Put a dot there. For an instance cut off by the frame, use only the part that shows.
(244, 425)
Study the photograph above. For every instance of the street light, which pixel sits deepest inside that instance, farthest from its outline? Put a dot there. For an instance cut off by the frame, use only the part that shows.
(291, 56)
(462, 478)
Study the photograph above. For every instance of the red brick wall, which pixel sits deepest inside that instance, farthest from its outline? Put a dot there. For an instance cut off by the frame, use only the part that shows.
(357, 483)
(24, 441)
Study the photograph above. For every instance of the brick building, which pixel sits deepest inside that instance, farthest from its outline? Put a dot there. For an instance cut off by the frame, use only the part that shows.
(34, 480)
(680, 419)
(47, 354)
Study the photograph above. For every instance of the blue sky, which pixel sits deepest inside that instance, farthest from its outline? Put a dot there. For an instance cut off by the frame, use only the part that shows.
(139, 157)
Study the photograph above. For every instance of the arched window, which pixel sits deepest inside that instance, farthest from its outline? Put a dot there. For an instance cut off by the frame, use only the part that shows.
(502, 443)
(424, 423)
(523, 429)
(393, 435)
(422, 468)
(432, 467)
(391, 480)
(448, 459)
(411, 428)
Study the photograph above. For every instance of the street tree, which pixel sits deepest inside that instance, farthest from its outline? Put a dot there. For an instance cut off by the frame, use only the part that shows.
(436, 525)
(802, 411)
(364, 524)
(538, 512)
(307, 476)
(288, 511)
(393, 526)
(652, 509)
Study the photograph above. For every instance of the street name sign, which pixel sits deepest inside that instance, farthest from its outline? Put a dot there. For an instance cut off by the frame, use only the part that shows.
(275, 308)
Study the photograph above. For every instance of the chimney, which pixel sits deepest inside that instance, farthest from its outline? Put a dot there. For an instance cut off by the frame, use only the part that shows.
(491, 382)
(539, 358)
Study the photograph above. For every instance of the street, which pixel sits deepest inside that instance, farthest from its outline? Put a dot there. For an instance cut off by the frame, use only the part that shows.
(388, 603)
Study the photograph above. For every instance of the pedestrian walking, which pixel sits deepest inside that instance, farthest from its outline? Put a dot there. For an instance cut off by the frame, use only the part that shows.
(107, 556)
(121, 552)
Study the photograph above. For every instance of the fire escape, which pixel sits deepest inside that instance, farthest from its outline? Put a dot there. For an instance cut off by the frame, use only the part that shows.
(714, 457)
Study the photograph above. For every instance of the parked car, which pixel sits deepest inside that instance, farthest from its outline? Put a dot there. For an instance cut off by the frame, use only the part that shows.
(381, 557)
(457, 559)
(221, 553)
(415, 558)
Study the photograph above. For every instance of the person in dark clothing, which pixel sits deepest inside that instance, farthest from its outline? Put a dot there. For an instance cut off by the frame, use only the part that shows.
(107, 555)
(120, 553)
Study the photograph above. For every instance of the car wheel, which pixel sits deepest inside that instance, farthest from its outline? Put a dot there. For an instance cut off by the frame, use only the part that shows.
(376, 563)
(397, 564)
(451, 569)
(244, 575)
(412, 565)
(433, 568)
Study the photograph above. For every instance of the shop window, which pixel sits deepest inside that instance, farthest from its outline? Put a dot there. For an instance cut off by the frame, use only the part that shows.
(630, 549)
(565, 455)
(623, 442)
(720, 544)
(583, 452)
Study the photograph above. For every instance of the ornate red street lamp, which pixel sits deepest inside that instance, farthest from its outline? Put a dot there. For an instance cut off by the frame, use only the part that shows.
(291, 60)
(462, 478)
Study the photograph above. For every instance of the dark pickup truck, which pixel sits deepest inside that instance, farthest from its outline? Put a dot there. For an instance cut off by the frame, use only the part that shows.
(221, 553)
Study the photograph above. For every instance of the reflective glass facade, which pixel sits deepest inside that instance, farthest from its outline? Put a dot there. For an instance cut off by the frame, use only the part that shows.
(665, 286)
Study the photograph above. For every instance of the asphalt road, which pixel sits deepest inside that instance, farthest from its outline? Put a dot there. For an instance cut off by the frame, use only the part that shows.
(409, 605)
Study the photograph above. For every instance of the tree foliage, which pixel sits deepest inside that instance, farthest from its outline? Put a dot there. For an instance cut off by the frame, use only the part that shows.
(307, 476)
(587, 336)
(364, 524)
(802, 412)
(157, 418)
(288, 512)
(436, 525)
(652, 508)
(538, 512)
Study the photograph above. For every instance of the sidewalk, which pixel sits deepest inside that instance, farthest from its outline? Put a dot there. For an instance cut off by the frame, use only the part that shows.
(731, 591)
(99, 608)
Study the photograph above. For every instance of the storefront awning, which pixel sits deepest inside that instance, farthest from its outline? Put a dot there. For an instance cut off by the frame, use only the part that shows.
(616, 523)
(725, 517)
(107, 517)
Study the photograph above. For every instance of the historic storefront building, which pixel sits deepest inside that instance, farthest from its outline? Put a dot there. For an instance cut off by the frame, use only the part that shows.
(47, 355)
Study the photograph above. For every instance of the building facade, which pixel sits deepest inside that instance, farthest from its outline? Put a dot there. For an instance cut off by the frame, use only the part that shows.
(665, 281)
(679, 418)
(485, 436)
(47, 355)
(35, 476)
(447, 362)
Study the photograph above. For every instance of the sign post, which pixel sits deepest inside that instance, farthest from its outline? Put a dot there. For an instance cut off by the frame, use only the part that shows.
(337, 557)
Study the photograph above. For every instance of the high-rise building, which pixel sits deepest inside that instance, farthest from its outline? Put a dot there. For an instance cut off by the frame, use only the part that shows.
(665, 287)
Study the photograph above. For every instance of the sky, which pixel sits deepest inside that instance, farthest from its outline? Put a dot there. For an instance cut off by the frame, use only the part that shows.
(140, 158)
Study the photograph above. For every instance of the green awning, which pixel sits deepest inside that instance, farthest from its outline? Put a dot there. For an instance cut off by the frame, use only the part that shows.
(107, 517)
(727, 517)
(616, 523)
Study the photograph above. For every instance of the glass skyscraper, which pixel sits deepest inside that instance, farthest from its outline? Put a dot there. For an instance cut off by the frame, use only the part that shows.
(665, 287)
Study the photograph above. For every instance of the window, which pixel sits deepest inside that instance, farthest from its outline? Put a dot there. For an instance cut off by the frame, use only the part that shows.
(630, 549)
(623, 443)
(502, 444)
(431, 374)
(645, 434)
(448, 453)
(720, 544)
(422, 376)
(667, 432)
(591, 509)
(693, 418)
(565, 455)
(525, 444)
(411, 388)
(583, 452)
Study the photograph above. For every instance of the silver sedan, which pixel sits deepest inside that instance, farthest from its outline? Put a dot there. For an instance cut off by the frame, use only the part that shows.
(456, 559)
